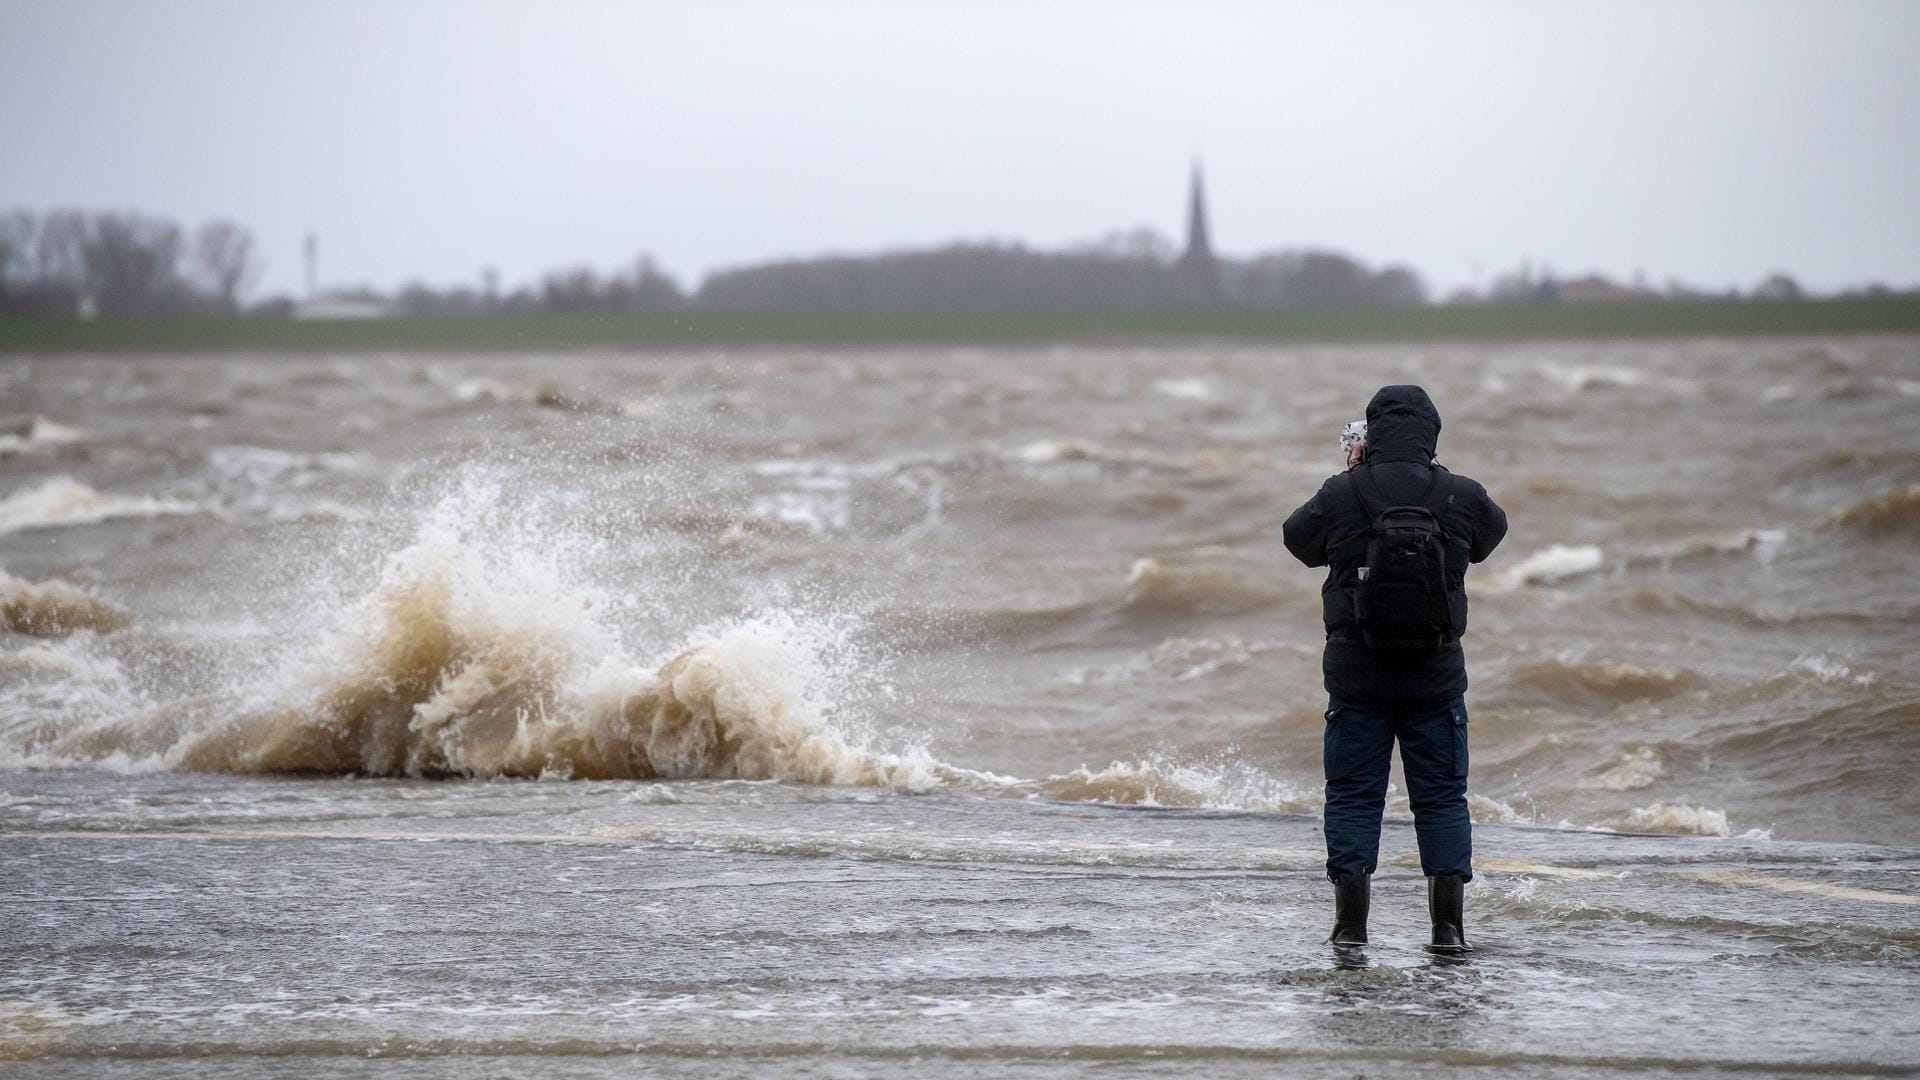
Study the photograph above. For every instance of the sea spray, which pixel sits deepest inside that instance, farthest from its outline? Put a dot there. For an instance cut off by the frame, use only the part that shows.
(481, 652)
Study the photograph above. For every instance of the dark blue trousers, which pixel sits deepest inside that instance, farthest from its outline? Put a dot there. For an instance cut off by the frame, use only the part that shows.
(1358, 751)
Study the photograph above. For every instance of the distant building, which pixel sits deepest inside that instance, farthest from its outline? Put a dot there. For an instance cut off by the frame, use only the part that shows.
(342, 307)
(1198, 268)
(360, 303)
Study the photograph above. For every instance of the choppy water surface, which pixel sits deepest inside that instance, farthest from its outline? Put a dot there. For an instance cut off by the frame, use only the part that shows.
(785, 713)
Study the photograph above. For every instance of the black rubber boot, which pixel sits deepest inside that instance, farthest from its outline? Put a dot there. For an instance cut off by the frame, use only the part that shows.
(1350, 896)
(1446, 897)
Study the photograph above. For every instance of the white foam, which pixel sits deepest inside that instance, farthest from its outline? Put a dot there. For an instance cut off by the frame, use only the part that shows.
(1675, 818)
(1640, 769)
(51, 690)
(38, 433)
(1579, 377)
(1828, 671)
(1184, 389)
(469, 391)
(264, 482)
(816, 511)
(65, 501)
(1049, 451)
(1548, 566)
(1485, 809)
(1163, 781)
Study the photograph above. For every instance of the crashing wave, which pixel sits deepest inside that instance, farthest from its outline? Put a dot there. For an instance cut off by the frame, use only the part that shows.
(1676, 818)
(445, 673)
(54, 608)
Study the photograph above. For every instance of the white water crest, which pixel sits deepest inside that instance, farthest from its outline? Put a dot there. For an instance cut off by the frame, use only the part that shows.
(1549, 566)
(63, 500)
(54, 608)
(35, 433)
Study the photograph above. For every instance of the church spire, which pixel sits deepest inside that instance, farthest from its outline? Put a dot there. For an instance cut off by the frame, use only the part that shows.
(1199, 271)
(1199, 244)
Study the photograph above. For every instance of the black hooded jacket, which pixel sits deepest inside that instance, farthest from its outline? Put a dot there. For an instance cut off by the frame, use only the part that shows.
(1403, 428)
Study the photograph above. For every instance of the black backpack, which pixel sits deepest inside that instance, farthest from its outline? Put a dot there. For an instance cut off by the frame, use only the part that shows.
(1400, 601)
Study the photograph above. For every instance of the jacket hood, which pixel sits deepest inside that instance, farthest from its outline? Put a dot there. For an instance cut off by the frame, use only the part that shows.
(1402, 425)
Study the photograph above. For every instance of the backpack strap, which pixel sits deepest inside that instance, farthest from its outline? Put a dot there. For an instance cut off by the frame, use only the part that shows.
(1366, 492)
(1439, 492)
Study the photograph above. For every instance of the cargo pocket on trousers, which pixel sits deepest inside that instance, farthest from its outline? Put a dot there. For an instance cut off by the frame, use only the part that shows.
(1330, 760)
(1459, 738)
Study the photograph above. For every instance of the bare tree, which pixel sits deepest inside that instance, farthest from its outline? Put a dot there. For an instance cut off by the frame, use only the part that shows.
(224, 257)
(42, 271)
(60, 248)
(133, 265)
(17, 231)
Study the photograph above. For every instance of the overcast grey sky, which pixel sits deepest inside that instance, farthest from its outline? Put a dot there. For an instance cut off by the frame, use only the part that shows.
(1713, 141)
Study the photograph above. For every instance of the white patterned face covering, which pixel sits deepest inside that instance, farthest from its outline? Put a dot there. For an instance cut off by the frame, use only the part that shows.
(1351, 436)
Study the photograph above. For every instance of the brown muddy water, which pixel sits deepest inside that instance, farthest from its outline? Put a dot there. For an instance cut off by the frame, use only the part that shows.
(786, 713)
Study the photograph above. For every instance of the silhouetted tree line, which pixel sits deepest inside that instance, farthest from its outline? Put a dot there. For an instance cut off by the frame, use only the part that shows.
(1134, 269)
(72, 262)
(962, 276)
(1527, 284)
(1126, 270)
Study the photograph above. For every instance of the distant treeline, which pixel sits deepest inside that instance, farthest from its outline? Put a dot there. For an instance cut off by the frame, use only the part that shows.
(1130, 270)
(74, 263)
(71, 262)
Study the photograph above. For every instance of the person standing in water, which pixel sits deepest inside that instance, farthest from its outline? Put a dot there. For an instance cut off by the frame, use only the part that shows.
(1396, 532)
